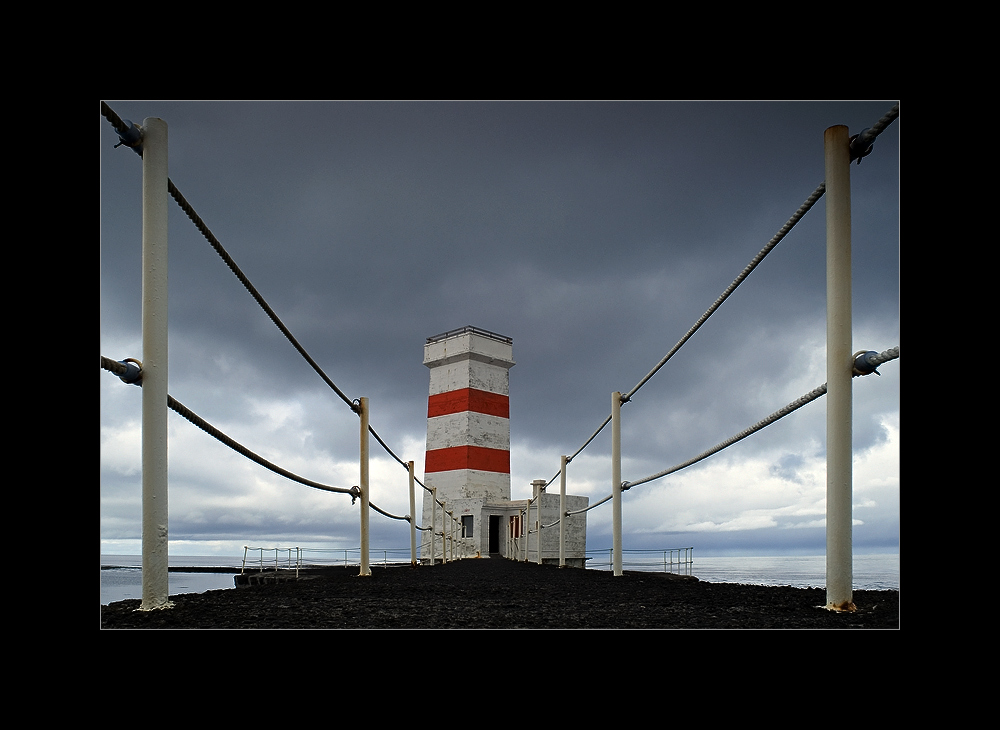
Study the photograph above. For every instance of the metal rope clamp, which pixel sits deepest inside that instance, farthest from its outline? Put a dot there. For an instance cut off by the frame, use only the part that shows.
(133, 371)
(865, 362)
(131, 137)
(858, 147)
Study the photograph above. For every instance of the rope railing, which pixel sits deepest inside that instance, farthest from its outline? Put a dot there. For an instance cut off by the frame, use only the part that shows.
(590, 507)
(131, 137)
(861, 146)
(123, 370)
(747, 270)
(123, 129)
(248, 285)
(120, 368)
(873, 360)
(404, 518)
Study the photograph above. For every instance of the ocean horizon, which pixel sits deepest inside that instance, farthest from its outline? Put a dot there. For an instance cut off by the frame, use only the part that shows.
(121, 575)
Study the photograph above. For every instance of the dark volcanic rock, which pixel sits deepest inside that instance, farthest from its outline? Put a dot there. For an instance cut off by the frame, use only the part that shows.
(502, 594)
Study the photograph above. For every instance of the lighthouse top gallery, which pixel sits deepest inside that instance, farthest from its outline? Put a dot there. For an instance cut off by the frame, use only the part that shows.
(467, 463)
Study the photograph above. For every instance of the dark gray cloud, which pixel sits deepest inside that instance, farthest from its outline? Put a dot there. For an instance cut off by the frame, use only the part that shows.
(594, 234)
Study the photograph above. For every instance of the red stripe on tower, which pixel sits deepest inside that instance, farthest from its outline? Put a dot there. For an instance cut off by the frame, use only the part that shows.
(468, 399)
(467, 457)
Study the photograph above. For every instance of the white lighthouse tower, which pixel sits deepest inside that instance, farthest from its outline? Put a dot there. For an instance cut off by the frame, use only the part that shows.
(468, 428)
(467, 462)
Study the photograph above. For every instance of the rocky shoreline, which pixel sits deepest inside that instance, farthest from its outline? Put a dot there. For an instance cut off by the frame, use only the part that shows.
(502, 594)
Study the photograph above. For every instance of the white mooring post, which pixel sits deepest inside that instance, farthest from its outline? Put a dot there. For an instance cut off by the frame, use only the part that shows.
(444, 532)
(839, 364)
(155, 576)
(527, 534)
(538, 487)
(434, 502)
(365, 496)
(616, 481)
(562, 512)
(413, 517)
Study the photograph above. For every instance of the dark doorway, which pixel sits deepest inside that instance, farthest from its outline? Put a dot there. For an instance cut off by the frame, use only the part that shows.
(494, 533)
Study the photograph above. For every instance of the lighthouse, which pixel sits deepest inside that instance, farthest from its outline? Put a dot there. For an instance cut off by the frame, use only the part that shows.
(467, 462)
(468, 426)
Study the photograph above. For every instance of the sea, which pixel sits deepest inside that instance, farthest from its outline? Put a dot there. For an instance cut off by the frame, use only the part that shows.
(877, 572)
(121, 575)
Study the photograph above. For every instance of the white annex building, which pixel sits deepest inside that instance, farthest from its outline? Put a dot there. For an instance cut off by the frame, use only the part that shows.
(467, 463)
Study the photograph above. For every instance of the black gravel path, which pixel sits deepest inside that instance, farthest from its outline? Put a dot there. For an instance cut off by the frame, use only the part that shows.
(502, 594)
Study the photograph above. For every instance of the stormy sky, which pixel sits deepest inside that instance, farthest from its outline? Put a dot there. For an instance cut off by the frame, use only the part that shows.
(595, 234)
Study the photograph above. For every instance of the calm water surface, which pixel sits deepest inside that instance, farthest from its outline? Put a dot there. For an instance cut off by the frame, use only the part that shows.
(871, 572)
(123, 579)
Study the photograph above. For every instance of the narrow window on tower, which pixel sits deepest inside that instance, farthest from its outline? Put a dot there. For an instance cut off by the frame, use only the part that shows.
(467, 522)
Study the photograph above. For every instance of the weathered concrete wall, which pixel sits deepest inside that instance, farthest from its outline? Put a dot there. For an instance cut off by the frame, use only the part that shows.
(468, 428)
(576, 529)
(469, 346)
(470, 484)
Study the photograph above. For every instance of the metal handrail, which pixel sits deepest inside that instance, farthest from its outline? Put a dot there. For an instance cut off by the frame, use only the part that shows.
(470, 330)
(277, 563)
(681, 564)
(301, 560)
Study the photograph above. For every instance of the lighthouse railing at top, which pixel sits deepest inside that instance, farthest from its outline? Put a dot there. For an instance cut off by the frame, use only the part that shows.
(469, 329)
